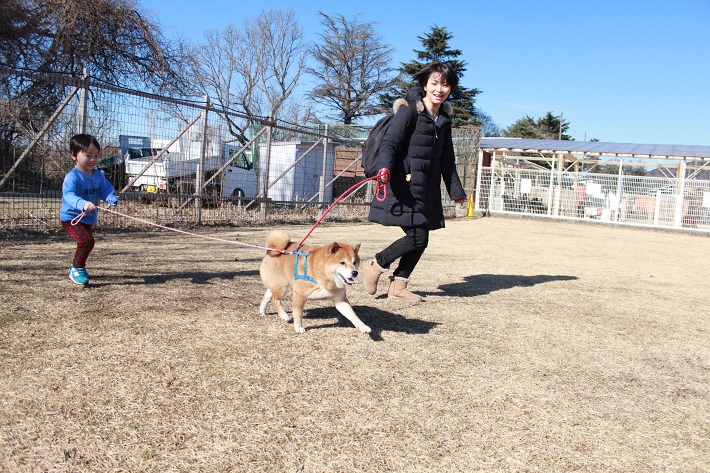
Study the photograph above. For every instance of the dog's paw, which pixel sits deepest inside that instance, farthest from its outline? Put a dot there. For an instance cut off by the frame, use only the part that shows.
(365, 329)
(285, 317)
(299, 329)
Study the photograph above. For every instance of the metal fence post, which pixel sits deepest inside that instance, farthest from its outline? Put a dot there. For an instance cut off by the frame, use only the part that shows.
(264, 170)
(82, 115)
(550, 187)
(619, 190)
(680, 194)
(321, 190)
(557, 190)
(479, 175)
(491, 189)
(200, 172)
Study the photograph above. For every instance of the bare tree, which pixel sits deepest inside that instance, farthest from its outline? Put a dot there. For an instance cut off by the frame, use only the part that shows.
(354, 66)
(281, 45)
(254, 69)
(115, 40)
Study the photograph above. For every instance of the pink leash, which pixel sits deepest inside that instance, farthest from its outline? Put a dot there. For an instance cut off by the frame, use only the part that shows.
(380, 187)
(78, 218)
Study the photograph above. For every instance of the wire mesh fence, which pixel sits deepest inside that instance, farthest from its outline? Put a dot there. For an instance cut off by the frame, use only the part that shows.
(189, 162)
(633, 200)
(178, 161)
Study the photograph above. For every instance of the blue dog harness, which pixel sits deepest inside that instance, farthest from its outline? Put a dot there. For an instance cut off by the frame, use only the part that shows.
(296, 274)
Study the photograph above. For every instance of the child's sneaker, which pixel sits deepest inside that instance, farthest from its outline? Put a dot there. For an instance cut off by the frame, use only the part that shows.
(78, 275)
(86, 273)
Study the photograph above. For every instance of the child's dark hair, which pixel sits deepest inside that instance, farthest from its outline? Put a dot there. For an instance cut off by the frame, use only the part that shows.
(446, 71)
(82, 142)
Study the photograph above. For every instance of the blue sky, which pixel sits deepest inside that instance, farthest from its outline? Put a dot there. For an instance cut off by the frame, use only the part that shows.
(622, 71)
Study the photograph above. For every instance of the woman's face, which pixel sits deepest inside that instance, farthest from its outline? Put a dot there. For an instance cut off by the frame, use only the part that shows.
(437, 90)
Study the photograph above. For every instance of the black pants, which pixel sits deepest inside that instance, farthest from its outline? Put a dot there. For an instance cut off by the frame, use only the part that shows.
(408, 249)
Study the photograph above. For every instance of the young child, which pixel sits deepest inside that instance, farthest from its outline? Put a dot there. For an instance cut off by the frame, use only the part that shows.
(82, 188)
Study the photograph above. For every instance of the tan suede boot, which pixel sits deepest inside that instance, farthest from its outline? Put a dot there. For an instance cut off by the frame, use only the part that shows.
(398, 289)
(372, 272)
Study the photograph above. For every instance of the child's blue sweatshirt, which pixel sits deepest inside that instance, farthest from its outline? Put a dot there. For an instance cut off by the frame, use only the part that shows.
(80, 188)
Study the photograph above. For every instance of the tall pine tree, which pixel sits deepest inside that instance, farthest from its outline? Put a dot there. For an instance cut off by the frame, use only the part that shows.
(549, 127)
(437, 49)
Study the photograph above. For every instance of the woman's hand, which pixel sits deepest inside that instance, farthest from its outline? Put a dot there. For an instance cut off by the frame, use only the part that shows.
(461, 201)
(89, 207)
(383, 175)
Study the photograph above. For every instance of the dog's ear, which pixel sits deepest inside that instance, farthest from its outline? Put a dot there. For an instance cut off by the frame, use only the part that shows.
(334, 247)
(356, 247)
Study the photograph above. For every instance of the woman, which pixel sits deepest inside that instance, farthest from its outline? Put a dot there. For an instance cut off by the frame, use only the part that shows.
(412, 166)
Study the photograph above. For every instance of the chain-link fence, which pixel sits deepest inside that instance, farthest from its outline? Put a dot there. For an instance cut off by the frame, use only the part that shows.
(180, 161)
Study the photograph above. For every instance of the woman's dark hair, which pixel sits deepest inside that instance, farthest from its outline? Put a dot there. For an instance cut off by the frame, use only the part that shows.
(446, 71)
(82, 142)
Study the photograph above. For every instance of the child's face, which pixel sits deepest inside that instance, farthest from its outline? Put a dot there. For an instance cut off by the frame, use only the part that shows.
(437, 90)
(87, 160)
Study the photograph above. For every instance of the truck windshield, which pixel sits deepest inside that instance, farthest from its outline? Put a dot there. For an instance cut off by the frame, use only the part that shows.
(135, 153)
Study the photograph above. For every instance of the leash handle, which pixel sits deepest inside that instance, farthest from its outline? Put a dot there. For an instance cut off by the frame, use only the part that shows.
(78, 218)
(383, 177)
(381, 187)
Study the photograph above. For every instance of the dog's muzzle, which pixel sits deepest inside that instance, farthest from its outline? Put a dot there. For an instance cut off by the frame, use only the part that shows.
(349, 280)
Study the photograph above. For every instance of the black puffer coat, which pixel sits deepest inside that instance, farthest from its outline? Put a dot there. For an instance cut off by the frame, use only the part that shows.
(417, 166)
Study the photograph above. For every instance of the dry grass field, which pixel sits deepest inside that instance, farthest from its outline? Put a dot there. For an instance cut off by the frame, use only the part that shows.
(542, 346)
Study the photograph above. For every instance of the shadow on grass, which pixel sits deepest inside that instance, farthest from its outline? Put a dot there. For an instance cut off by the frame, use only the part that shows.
(377, 319)
(481, 284)
(195, 277)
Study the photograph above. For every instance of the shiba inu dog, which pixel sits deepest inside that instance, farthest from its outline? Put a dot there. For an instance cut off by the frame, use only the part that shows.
(314, 273)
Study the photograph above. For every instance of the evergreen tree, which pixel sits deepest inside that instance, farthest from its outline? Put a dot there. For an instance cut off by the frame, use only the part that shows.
(436, 49)
(548, 127)
(524, 128)
(553, 127)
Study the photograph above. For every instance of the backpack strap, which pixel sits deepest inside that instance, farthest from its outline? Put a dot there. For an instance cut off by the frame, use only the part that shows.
(413, 114)
(411, 126)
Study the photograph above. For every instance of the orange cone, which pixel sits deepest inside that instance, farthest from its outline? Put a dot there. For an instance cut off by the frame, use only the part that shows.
(469, 212)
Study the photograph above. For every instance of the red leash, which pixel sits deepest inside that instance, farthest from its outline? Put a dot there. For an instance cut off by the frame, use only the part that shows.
(381, 186)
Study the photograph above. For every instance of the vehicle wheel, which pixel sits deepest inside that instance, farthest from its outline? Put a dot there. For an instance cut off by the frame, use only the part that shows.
(237, 197)
(144, 196)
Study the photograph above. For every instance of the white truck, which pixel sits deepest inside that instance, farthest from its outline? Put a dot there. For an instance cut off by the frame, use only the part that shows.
(175, 169)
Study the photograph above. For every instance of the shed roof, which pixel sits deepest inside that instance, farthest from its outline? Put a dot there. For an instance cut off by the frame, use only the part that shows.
(598, 148)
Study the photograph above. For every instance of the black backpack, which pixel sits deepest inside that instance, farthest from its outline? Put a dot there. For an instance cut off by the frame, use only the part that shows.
(371, 148)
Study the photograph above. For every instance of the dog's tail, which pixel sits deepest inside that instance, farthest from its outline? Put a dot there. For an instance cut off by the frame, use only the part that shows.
(279, 240)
